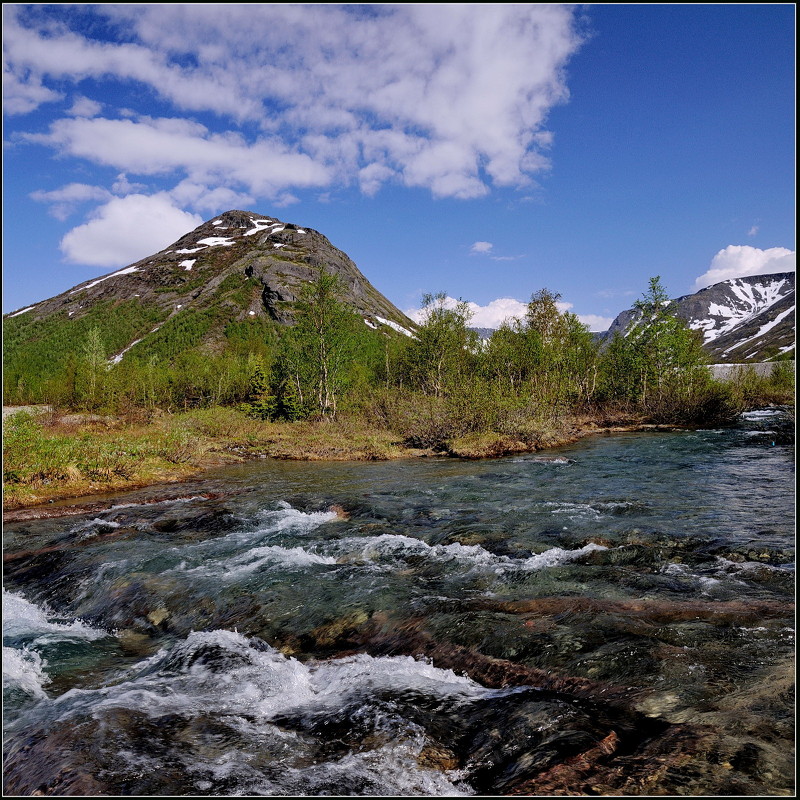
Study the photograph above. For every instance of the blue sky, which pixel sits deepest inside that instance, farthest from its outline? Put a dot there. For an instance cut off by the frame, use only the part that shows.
(483, 151)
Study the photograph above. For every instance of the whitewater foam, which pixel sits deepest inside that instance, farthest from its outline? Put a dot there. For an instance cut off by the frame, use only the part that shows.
(226, 673)
(23, 619)
(24, 670)
(256, 559)
(387, 549)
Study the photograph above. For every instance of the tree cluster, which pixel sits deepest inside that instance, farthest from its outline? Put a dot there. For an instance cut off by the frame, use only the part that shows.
(443, 381)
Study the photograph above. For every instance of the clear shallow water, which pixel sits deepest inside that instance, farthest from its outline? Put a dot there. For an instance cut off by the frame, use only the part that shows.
(612, 617)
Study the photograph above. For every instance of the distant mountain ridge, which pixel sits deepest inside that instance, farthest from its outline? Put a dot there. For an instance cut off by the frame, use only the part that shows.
(225, 287)
(741, 319)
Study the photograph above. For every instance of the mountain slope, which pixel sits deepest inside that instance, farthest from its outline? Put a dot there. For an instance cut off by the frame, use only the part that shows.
(239, 274)
(740, 320)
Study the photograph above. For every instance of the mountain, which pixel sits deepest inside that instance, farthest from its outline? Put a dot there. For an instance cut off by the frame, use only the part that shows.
(238, 274)
(483, 333)
(277, 257)
(741, 320)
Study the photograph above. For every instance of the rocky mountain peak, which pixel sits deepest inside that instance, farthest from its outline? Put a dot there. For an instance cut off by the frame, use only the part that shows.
(740, 319)
(275, 258)
(239, 271)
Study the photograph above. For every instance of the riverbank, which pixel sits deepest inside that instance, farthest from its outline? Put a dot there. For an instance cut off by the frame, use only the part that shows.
(51, 457)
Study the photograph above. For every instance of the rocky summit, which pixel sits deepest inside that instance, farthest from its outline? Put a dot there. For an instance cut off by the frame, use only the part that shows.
(238, 275)
(276, 257)
(740, 320)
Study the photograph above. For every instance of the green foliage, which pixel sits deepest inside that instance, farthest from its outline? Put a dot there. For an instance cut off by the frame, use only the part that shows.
(290, 405)
(444, 351)
(749, 390)
(782, 375)
(440, 386)
(261, 403)
(658, 362)
(94, 361)
(550, 356)
(318, 355)
(254, 336)
(42, 358)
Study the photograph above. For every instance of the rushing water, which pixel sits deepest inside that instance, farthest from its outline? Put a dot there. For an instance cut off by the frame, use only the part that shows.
(613, 617)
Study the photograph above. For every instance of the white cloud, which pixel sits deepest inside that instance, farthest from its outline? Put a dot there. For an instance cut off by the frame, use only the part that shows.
(123, 186)
(492, 315)
(481, 247)
(23, 94)
(285, 199)
(85, 107)
(738, 261)
(495, 313)
(204, 198)
(65, 200)
(452, 98)
(595, 322)
(371, 177)
(126, 229)
(167, 145)
(753, 231)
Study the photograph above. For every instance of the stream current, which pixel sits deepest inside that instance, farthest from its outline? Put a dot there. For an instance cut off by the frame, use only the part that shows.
(612, 617)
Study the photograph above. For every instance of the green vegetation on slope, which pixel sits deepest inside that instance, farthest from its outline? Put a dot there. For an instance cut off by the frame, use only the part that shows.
(41, 356)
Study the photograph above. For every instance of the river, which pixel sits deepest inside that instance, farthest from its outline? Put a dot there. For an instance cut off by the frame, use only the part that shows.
(611, 617)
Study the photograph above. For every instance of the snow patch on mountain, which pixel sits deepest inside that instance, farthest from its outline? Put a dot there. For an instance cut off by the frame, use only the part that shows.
(126, 271)
(750, 317)
(763, 330)
(216, 241)
(746, 301)
(395, 326)
(22, 311)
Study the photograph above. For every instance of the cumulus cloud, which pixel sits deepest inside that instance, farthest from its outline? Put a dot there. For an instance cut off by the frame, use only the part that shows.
(204, 198)
(739, 261)
(595, 322)
(491, 315)
(65, 200)
(123, 186)
(85, 107)
(451, 98)
(496, 312)
(753, 231)
(126, 229)
(163, 146)
(23, 94)
(481, 247)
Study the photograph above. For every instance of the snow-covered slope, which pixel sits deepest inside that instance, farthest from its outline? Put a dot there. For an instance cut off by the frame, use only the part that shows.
(743, 319)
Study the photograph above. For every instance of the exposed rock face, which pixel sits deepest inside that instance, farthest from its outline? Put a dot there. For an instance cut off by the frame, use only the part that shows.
(277, 258)
(743, 319)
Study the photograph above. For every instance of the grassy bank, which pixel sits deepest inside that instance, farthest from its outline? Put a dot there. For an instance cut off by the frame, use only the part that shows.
(52, 455)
